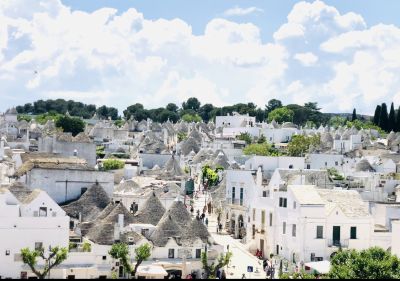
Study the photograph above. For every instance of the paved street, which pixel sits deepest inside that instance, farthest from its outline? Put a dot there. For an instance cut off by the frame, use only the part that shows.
(241, 258)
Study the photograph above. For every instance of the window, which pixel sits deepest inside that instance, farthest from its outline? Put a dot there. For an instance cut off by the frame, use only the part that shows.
(241, 196)
(294, 204)
(320, 232)
(264, 194)
(290, 166)
(7, 252)
(270, 219)
(43, 212)
(308, 166)
(38, 246)
(198, 253)
(254, 214)
(336, 163)
(294, 230)
(233, 194)
(262, 219)
(282, 202)
(312, 258)
(284, 228)
(104, 258)
(353, 232)
(171, 253)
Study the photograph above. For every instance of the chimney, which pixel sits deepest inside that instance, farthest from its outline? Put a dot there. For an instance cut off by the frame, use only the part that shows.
(259, 176)
(116, 232)
(121, 221)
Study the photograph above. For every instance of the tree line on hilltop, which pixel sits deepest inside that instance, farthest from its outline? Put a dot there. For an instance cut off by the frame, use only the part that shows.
(192, 110)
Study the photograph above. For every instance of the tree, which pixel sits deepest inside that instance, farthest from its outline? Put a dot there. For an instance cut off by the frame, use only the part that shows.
(113, 164)
(312, 106)
(372, 263)
(172, 107)
(205, 112)
(55, 257)
(384, 118)
(354, 115)
(272, 105)
(191, 118)
(261, 139)
(300, 144)
(72, 125)
(392, 119)
(398, 120)
(120, 251)
(377, 115)
(337, 121)
(245, 137)
(280, 115)
(261, 149)
(142, 253)
(191, 103)
(212, 269)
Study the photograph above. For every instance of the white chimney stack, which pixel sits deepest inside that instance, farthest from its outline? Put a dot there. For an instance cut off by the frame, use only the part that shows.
(121, 221)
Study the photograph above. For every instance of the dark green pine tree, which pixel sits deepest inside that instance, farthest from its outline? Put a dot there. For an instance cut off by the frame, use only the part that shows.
(384, 118)
(392, 119)
(398, 120)
(377, 114)
(354, 116)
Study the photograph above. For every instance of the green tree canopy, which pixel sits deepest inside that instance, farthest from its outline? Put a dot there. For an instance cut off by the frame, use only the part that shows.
(372, 263)
(261, 149)
(113, 164)
(54, 258)
(191, 118)
(299, 145)
(72, 125)
(245, 137)
(191, 103)
(280, 115)
(272, 105)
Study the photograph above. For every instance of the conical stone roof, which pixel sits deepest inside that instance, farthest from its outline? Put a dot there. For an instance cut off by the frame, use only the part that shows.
(151, 211)
(179, 213)
(166, 228)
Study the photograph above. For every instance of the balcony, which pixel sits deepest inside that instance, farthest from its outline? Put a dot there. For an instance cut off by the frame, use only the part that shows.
(344, 243)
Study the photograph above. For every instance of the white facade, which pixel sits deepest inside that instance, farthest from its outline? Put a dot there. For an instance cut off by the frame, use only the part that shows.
(269, 163)
(24, 224)
(235, 121)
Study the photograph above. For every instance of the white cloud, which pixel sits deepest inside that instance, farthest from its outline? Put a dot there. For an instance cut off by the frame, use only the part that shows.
(122, 58)
(306, 59)
(237, 11)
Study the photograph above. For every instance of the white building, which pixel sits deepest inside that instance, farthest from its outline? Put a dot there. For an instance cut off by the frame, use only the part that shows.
(28, 219)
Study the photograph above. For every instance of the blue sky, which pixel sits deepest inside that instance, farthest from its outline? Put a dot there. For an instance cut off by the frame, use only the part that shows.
(199, 13)
(341, 54)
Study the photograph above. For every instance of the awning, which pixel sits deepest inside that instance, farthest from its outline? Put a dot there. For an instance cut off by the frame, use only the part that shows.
(321, 267)
(151, 271)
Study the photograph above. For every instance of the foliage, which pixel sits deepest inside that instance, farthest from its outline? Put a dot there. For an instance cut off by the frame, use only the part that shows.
(43, 118)
(105, 112)
(72, 125)
(100, 151)
(308, 112)
(354, 115)
(182, 136)
(212, 269)
(86, 247)
(358, 124)
(191, 103)
(55, 257)
(261, 139)
(281, 114)
(272, 105)
(72, 245)
(191, 118)
(384, 118)
(25, 117)
(245, 137)
(120, 251)
(297, 275)
(119, 123)
(113, 164)
(372, 263)
(261, 149)
(142, 253)
(58, 106)
(210, 175)
(337, 121)
(334, 174)
(300, 144)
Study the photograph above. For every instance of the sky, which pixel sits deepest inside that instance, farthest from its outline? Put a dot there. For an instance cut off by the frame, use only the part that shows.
(342, 54)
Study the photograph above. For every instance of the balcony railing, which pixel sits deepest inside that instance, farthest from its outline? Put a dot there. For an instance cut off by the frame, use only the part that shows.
(344, 243)
(235, 201)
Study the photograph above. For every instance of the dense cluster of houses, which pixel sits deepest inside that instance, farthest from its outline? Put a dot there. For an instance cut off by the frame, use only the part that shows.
(344, 194)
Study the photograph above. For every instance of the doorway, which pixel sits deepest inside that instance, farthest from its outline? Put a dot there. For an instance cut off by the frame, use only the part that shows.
(336, 236)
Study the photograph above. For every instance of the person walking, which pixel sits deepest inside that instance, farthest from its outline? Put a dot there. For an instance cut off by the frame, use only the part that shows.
(206, 221)
(244, 276)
